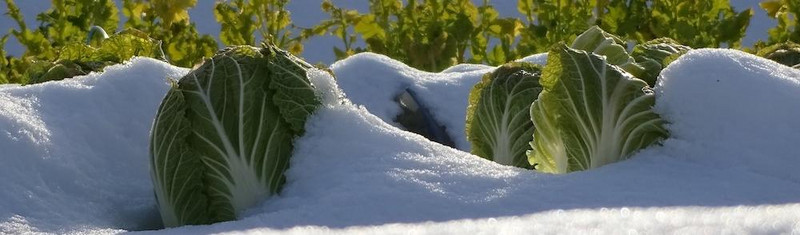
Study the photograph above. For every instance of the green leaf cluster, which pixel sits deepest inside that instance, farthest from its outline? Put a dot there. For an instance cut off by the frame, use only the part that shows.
(693, 23)
(223, 135)
(80, 59)
(498, 123)
(168, 21)
(432, 35)
(427, 34)
(787, 13)
(59, 47)
(590, 113)
(338, 24)
(787, 53)
(589, 106)
(645, 61)
(242, 19)
(67, 21)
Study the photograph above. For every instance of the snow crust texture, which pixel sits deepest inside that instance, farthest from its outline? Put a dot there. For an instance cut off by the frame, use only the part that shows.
(375, 80)
(729, 109)
(73, 153)
(75, 159)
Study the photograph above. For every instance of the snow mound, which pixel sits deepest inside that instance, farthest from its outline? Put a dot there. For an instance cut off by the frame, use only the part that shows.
(729, 109)
(75, 161)
(354, 173)
(540, 58)
(74, 152)
(375, 80)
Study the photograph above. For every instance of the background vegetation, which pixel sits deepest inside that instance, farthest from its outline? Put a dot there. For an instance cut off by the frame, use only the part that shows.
(427, 34)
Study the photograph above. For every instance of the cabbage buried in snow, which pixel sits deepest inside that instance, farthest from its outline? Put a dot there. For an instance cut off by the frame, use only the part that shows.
(223, 135)
(591, 113)
(498, 121)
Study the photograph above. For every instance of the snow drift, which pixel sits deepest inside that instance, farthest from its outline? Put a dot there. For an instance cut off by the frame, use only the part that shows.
(75, 159)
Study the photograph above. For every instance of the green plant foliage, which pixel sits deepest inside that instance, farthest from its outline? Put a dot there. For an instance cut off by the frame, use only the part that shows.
(655, 55)
(67, 21)
(430, 35)
(240, 19)
(339, 24)
(498, 123)
(548, 22)
(223, 135)
(597, 41)
(785, 53)
(168, 22)
(787, 13)
(5, 66)
(590, 114)
(80, 59)
(699, 23)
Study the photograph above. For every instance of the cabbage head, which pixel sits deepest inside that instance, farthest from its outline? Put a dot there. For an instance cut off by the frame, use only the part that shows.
(222, 137)
(498, 121)
(655, 55)
(590, 113)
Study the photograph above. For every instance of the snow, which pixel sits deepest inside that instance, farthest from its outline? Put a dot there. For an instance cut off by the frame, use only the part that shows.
(75, 159)
(375, 80)
(733, 110)
(74, 152)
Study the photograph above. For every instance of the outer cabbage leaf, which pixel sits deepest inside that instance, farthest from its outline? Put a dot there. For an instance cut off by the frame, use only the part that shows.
(591, 113)
(600, 42)
(235, 116)
(498, 121)
(787, 53)
(655, 55)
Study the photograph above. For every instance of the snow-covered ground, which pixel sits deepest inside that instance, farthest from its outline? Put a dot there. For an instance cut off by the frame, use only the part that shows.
(75, 159)
(307, 13)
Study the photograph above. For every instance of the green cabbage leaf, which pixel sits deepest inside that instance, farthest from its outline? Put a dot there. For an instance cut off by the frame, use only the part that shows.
(614, 49)
(498, 123)
(590, 113)
(222, 137)
(655, 55)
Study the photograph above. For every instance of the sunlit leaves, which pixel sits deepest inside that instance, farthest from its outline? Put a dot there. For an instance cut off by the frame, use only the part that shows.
(242, 20)
(171, 11)
(181, 43)
(787, 13)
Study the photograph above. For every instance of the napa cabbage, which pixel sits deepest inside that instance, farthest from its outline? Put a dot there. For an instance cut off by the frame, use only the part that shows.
(645, 61)
(498, 122)
(222, 137)
(655, 55)
(590, 113)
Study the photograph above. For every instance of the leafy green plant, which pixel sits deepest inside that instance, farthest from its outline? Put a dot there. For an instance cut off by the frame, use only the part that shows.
(655, 55)
(66, 22)
(80, 59)
(168, 21)
(548, 22)
(339, 24)
(785, 53)
(787, 13)
(498, 123)
(242, 19)
(6, 69)
(222, 137)
(699, 23)
(590, 113)
(597, 41)
(645, 61)
(430, 35)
